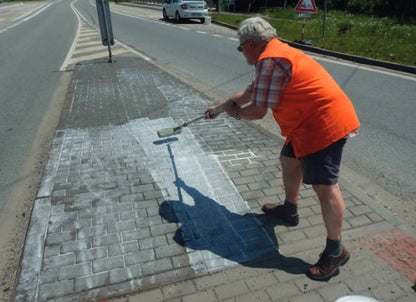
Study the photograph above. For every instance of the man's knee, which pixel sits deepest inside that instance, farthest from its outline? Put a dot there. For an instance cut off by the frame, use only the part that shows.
(327, 192)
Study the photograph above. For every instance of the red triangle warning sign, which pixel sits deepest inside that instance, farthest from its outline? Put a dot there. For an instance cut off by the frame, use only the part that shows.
(306, 6)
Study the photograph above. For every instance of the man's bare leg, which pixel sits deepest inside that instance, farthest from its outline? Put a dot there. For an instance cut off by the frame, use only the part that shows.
(292, 177)
(333, 209)
(334, 255)
(292, 180)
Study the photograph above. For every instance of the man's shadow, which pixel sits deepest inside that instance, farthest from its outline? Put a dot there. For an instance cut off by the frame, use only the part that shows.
(247, 239)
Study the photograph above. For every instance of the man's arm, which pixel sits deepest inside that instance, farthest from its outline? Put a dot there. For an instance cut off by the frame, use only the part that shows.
(237, 100)
(272, 76)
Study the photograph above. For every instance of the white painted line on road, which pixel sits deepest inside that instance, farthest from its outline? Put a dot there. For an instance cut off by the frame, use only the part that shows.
(71, 49)
(37, 12)
(26, 17)
(97, 54)
(85, 36)
(363, 67)
(91, 48)
(4, 7)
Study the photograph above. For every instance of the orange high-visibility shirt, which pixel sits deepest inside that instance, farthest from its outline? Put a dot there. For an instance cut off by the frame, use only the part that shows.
(313, 111)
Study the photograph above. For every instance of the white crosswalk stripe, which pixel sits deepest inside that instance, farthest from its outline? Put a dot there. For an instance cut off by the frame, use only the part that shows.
(88, 46)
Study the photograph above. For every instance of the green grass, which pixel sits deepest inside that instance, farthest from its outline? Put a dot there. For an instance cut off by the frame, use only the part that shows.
(376, 38)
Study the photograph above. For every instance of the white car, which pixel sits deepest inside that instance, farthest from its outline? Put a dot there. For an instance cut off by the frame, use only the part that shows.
(185, 9)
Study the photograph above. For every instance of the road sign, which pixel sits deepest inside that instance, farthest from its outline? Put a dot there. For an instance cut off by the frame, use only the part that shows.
(304, 15)
(104, 18)
(306, 6)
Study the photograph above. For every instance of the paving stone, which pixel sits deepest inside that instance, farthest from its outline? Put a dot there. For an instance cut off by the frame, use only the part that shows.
(239, 273)
(356, 221)
(260, 282)
(122, 274)
(106, 264)
(155, 295)
(135, 234)
(202, 296)
(281, 291)
(156, 266)
(59, 260)
(106, 239)
(61, 237)
(85, 255)
(210, 281)
(139, 257)
(93, 281)
(388, 292)
(179, 289)
(47, 291)
(359, 284)
(310, 297)
(51, 250)
(333, 292)
(293, 235)
(260, 296)
(231, 289)
(359, 210)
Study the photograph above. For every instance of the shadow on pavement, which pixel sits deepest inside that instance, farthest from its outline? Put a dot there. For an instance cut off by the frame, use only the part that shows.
(247, 239)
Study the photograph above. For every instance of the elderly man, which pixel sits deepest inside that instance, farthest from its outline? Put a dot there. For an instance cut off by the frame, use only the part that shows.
(314, 115)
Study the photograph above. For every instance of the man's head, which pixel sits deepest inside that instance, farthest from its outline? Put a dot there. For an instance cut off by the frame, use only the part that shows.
(255, 29)
(254, 33)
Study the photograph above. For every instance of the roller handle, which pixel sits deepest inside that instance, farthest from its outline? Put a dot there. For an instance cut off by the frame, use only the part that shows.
(218, 110)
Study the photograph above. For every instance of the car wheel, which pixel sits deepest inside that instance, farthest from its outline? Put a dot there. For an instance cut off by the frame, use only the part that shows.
(165, 16)
(177, 17)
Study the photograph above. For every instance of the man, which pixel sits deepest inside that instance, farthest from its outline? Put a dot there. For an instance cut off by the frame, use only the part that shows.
(314, 115)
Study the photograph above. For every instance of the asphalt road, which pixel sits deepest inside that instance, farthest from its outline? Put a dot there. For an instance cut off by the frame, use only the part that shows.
(385, 100)
(33, 46)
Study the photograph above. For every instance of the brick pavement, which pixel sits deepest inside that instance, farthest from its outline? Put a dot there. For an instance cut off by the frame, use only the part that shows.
(122, 213)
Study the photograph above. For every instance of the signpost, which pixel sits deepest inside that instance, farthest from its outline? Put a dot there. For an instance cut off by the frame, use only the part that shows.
(324, 23)
(305, 9)
(104, 18)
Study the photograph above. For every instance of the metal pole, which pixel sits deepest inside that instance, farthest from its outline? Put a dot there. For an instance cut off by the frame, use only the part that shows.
(324, 23)
(303, 29)
(110, 56)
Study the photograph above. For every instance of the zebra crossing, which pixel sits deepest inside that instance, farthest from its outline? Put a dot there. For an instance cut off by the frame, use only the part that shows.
(87, 46)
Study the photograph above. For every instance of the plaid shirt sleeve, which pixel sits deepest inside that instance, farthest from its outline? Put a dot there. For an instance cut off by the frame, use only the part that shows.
(272, 76)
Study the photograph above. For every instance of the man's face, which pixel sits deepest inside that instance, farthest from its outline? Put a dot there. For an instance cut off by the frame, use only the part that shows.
(249, 50)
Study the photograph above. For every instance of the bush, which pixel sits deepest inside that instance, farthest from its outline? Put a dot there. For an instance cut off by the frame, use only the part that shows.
(344, 27)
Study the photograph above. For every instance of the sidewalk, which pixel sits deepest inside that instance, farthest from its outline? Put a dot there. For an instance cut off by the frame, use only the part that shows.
(122, 212)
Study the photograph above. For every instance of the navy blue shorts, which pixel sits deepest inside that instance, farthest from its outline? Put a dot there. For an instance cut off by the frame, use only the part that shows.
(322, 167)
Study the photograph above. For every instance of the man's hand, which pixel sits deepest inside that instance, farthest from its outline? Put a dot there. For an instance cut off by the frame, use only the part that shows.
(214, 111)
